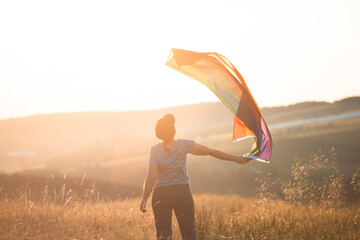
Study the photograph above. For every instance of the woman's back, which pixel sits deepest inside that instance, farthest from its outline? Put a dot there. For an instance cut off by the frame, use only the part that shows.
(171, 162)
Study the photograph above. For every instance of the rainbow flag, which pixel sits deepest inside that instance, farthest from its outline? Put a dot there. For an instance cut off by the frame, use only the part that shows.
(221, 77)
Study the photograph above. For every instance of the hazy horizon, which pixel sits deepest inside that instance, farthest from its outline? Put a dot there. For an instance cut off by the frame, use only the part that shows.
(167, 107)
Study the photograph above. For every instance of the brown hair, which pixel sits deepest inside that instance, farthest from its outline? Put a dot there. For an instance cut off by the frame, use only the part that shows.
(165, 129)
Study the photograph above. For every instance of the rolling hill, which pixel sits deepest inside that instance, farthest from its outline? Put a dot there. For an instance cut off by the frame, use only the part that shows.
(113, 146)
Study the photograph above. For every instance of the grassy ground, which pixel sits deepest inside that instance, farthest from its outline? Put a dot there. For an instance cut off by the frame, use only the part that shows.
(217, 217)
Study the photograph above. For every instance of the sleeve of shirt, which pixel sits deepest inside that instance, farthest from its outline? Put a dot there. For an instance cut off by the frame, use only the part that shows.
(187, 145)
(152, 157)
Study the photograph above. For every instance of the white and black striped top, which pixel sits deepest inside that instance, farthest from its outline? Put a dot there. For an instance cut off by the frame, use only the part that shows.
(172, 163)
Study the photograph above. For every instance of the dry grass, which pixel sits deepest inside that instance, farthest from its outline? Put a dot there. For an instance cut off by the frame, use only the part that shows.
(309, 208)
(217, 217)
(223, 217)
(76, 220)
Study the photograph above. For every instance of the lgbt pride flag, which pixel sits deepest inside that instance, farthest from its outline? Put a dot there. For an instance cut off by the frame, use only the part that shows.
(221, 77)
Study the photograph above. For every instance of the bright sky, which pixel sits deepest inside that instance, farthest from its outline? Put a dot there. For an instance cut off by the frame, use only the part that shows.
(65, 56)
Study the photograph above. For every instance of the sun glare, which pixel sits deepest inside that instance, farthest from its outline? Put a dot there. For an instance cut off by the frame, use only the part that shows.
(88, 56)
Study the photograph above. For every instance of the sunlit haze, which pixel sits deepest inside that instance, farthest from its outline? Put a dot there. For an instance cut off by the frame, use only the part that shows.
(66, 56)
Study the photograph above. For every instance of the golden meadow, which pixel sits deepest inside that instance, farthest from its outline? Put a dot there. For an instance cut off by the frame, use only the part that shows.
(305, 209)
(85, 180)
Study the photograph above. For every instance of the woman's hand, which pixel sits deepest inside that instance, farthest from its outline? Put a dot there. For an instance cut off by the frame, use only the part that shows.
(143, 205)
(242, 160)
(149, 184)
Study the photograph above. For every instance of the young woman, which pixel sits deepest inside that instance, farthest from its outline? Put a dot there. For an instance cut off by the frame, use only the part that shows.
(167, 178)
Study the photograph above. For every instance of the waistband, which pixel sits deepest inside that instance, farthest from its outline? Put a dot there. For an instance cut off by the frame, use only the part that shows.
(172, 186)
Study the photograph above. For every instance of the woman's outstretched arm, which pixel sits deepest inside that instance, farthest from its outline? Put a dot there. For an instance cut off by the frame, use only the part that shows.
(148, 185)
(204, 151)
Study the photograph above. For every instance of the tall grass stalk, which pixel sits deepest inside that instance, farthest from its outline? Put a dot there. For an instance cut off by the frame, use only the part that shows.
(217, 217)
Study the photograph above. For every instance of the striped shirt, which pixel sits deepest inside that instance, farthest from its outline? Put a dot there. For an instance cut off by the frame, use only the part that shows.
(172, 163)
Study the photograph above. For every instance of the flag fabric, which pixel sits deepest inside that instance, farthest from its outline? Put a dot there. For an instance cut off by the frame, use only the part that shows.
(221, 77)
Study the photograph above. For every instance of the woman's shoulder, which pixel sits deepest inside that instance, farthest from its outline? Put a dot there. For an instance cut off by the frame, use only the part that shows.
(155, 146)
(186, 145)
(185, 140)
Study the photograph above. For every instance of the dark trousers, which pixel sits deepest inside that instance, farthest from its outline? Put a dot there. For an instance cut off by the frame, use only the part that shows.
(177, 197)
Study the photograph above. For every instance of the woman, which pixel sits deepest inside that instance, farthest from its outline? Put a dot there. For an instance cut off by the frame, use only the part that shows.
(167, 177)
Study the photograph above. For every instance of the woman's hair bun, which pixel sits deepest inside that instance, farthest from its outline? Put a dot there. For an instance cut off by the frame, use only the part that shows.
(165, 128)
(170, 117)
